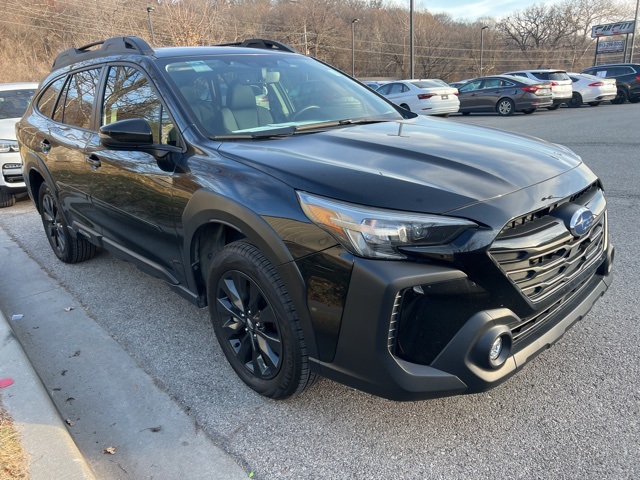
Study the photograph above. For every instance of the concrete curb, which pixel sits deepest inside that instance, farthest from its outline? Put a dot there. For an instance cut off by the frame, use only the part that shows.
(51, 450)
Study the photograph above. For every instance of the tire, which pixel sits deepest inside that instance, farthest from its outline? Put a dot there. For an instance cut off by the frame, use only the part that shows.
(554, 107)
(594, 104)
(256, 323)
(576, 100)
(466, 113)
(66, 247)
(529, 112)
(634, 99)
(406, 107)
(505, 107)
(7, 199)
(621, 97)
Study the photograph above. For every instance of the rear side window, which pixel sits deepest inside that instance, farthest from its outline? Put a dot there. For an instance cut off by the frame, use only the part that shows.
(80, 95)
(47, 100)
(128, 94)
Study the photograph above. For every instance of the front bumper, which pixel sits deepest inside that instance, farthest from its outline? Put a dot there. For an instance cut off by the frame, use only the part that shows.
(11, 179)
(366, 357)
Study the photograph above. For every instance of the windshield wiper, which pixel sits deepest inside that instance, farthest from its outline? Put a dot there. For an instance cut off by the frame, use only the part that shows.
(338, 123)
(274, 132)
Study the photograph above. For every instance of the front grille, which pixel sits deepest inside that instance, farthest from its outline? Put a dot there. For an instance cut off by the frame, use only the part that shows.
(540, 256)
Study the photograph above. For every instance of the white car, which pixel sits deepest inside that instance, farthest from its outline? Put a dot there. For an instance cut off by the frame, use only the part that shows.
(426, 97)
(561, 85)
(591, 89)
(14, 100)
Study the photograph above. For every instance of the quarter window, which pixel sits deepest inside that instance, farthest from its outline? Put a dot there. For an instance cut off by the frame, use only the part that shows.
(48, 99)
(128, 94)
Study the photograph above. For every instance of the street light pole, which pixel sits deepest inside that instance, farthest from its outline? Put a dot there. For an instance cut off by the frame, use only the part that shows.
(153, 40)
(353, 46)
(482, 48)
(411, 74)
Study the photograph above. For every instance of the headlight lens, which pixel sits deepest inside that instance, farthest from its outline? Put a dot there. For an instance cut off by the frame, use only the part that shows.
(7, 146)
(376, 233)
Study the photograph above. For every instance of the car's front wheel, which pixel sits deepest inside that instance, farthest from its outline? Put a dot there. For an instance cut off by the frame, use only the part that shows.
(256, 323)
(621, 97)
(67, 248)
(505, 107)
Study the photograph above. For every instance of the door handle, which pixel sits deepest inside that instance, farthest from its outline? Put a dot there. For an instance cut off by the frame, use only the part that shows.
(45, 146)
(93, 160)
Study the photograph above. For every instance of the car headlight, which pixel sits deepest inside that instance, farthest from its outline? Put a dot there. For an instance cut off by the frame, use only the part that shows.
(376, 233)
(7, 146)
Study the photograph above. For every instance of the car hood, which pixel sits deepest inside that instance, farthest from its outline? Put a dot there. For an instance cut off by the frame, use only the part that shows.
(8, 128)
(421, 165)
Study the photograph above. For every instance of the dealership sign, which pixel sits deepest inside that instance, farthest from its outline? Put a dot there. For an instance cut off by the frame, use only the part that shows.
(620, 28)
(612, 46)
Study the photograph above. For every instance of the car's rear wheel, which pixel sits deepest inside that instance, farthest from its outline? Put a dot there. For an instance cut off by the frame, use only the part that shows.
(634, 99)
(505, 107)
(621, 97)
(529, 112)
(466, 113)
(576, 100)
(67, 248)
(256, 323)
(594, 104)
(554, 107)
(7, 199)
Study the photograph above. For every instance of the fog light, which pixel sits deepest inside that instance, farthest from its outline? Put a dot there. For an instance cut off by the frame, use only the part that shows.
(8, 166)
(496, 350)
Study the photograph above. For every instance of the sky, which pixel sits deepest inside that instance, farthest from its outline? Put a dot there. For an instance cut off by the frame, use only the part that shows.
(473, 9)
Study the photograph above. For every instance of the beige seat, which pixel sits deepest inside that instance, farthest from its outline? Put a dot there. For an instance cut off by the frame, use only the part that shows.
(203, 110)
(242, 112)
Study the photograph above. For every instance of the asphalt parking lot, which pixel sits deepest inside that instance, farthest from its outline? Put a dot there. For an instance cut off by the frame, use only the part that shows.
(571, 413)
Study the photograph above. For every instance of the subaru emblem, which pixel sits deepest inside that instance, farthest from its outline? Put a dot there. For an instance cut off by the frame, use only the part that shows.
(581, 222)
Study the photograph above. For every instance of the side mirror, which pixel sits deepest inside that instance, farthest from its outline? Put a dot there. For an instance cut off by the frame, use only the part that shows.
(131, 133)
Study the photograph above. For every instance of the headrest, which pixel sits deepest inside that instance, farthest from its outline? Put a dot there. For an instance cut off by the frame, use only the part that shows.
(241, 96)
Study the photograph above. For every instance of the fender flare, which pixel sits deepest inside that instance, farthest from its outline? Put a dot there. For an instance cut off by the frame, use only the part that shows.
(207, 207)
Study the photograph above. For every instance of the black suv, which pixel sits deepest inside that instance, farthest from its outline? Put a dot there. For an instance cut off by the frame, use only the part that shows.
(335, 235)
(627, 77)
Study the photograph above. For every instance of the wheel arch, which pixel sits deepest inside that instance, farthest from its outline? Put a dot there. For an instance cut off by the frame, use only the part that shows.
(211, 221)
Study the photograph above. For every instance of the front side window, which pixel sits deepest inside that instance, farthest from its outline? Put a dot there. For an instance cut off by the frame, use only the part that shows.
(80, 94)
(128, 94)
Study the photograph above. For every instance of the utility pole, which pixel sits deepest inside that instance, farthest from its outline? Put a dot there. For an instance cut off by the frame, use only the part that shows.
(482, 48)
(411, 74)
(149, 10)
(353, 46)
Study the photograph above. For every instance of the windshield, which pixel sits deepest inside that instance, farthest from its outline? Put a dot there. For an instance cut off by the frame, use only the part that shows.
(13, 103)
(245, 93)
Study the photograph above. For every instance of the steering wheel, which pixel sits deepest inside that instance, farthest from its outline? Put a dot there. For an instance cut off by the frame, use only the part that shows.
(299, 114)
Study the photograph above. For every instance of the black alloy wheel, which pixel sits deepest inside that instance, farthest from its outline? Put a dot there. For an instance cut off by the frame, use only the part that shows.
(255, 322)
(621, 96)
(576, 100)
(67, 248)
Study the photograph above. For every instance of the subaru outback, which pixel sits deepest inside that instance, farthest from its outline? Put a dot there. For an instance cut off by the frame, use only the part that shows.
(339, 236)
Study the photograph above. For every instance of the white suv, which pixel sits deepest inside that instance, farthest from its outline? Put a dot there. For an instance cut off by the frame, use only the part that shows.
(14, 100)
(561, 84)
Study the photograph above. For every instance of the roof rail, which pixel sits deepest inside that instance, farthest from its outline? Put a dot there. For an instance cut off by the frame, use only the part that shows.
(111, 46)
(261, 43)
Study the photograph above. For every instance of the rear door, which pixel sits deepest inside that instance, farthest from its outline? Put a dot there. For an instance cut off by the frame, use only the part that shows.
(68, 124)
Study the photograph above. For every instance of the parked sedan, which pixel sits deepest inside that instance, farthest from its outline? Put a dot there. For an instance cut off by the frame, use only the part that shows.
(504, 95)
(422, 96)
(591, 89)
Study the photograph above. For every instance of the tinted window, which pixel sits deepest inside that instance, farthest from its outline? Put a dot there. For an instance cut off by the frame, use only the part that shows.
(475, 85)
(551, 75)
(13, 103)
(492, 83)
(48, 99)
(427, 84)
(128, 94)
(80, 94)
